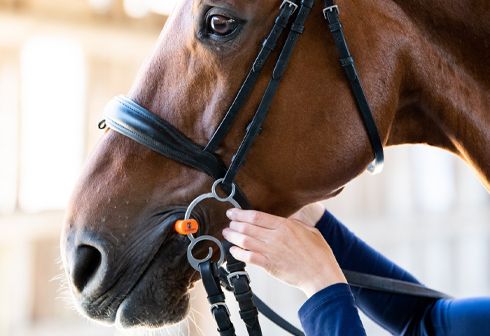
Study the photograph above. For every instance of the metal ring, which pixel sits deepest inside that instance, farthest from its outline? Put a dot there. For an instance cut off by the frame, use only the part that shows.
(375, 167)
(102, 124)
(194, 262)
(223, 199)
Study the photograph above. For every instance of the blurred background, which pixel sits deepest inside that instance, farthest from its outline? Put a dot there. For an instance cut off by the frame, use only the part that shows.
(61, 61)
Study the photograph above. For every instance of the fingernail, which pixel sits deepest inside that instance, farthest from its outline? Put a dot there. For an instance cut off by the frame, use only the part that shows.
(229, 213)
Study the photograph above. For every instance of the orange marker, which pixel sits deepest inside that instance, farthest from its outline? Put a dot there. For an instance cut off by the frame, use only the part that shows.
(185, 227)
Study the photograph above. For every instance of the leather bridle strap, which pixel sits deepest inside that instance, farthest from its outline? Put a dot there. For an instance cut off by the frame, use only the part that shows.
(331, 13)
(236, 279)
(130, 119)
(216, 298)
(255, 126)
(286, 11)
(391, 286)
(137, 123)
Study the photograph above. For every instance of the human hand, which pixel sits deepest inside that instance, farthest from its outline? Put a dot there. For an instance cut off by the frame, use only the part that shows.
(288, 249)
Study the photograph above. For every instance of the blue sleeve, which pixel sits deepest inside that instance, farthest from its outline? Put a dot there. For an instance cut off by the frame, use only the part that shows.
(332, 312)
(401, 314)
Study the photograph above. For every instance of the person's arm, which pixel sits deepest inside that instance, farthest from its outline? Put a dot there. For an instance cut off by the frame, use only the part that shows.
(332, 312)
(278, 245)
(396, 313)
(402, 314)
(294, 252)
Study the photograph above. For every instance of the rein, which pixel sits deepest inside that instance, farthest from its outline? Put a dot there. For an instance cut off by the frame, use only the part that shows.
(131, 120)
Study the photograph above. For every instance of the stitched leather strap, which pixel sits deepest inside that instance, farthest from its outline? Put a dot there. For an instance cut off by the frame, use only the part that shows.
(347, 62)
(248, 85)
(137, 123)
(216, 298)
(240, 285)
(392, 286)
(255, 126)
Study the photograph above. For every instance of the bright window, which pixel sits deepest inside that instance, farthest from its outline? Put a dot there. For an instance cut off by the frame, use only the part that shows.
(9, 84)
(52, 121)
(140, 8)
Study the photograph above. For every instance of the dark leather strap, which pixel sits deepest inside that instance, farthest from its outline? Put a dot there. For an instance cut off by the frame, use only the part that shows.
(331, 13)
(239, 282)
(255, 126)
(248, 85)
(392, 286)
(216, 298)
(274, 317)
(126, 117)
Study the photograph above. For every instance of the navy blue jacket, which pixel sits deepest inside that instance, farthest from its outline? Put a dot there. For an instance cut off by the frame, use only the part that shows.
(333, 310)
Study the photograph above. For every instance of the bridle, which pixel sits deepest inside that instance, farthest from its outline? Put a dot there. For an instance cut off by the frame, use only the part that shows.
(129, 119)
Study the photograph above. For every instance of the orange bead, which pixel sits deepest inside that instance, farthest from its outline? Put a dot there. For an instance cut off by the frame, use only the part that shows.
(185, 227)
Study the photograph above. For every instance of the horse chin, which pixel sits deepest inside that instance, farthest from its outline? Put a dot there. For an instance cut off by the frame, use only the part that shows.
(139, 312)
(151, 305)
(152, 297)
(157, 300)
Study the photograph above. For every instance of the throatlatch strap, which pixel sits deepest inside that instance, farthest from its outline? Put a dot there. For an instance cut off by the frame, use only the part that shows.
(331, 13)
(248, 85)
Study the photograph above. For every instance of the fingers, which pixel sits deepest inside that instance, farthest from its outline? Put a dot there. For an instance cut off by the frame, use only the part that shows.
(255, 217)
(248, 257)
(251, 230)
(244, 241)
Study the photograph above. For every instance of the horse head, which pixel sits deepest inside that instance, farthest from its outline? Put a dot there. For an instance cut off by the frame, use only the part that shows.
(120, 252)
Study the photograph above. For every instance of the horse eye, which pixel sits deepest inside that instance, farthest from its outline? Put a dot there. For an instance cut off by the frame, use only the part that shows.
(221, 25)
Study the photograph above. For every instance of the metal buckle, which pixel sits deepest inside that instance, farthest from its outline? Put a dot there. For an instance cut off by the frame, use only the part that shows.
(330, 9)
(236, 275)
(375, 167)
(220, 304)
(290, 4)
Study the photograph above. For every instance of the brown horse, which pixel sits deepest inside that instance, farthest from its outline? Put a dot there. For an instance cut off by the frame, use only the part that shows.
(426, 71)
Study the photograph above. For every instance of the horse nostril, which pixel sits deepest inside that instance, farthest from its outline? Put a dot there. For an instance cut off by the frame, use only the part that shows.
(87, 261)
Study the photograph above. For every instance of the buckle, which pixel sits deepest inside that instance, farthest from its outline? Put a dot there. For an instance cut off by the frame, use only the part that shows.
(330, 9)
(220, 304)
(236, 275)
(290, 4)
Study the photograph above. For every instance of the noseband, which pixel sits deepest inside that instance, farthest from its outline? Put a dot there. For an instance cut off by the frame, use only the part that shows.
(131, 120)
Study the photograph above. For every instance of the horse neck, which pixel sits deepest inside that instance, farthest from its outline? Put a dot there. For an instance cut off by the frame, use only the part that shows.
(445, 100)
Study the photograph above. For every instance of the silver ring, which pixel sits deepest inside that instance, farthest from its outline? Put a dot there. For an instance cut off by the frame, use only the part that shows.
(194, 262)
(223, 199)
